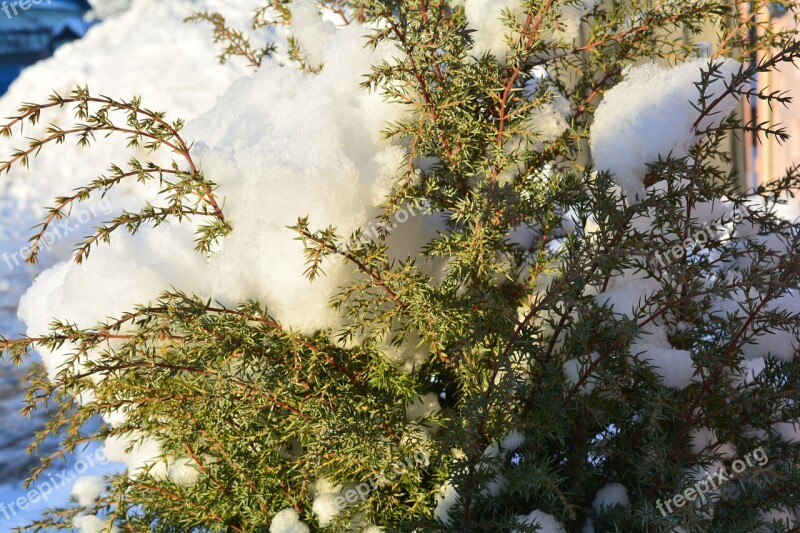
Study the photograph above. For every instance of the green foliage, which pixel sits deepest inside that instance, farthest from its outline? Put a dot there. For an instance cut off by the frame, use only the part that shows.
(263, 412)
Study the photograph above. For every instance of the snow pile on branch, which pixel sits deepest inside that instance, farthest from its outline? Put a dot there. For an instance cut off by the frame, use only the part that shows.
(132, 270)
(92, 524)
(611, 495)
(445, 501)
(674, 367)
(310, 30)
(87, 489)
(628, 293)
(288, 521)
(547, 523)
(651, 114)
(545, 123)
(486, 18)
(491, 34)
(286, 144)
(568, 29)
(779, 341)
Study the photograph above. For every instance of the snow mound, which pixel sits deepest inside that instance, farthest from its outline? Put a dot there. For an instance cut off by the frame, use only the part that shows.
(651, 113)
(285, 144)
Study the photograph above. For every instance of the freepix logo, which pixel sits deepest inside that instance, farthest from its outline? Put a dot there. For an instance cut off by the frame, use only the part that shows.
(712, 481)
(59, 230)
(55, 482)
(10, 8)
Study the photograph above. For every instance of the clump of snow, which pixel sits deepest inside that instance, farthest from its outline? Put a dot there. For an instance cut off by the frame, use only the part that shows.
(422, 406)
(611, 495)
(500, 450)
(409, 355)
(779, 341)
(183, 472)
(569, 27)
(485, 17)
(651, 113)
(164, 84)
(446, 500)
(545, 123)
(491, 35)
(704, 441)
(307, 136)
(308, 147)
(782, 515)
(628, 292)
(310, 31)
(87, 489)
(325, 506)
(92, 524)
(131, 270)
(547, 523)
(548, 122)
(750, 370)
(573, 370)
(144, 455)
(512, 440)
(288, 521)
(788, 431)
(674, 367)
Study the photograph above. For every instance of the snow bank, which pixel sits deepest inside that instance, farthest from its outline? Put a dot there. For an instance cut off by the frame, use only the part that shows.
(650, 113)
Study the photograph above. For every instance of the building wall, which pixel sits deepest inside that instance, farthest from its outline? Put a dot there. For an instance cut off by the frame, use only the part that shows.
(771, 159)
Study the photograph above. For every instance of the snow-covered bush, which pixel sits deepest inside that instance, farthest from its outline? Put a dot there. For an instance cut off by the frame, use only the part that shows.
(388, 244)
